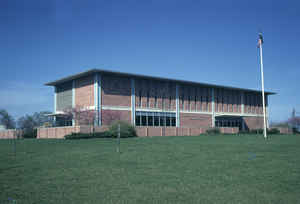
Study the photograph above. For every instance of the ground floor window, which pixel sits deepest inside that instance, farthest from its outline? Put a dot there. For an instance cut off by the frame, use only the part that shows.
(143, 118)
(62, 121)
(229, 122)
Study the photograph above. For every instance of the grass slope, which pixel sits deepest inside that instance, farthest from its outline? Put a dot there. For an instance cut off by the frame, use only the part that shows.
(203, 169)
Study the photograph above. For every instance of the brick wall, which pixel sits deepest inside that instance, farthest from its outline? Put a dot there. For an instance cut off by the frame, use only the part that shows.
(146, 89)
(56, 132)
(195, 120)
(116, 90)
(84, 92)
(253, 122)
(11, 134)
(60, 132)
(108, 116)
(182, 131)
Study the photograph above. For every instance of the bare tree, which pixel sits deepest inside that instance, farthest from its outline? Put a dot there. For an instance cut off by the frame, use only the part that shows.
(81, 116)
(110, 116)
(294, 121)
(7, 120)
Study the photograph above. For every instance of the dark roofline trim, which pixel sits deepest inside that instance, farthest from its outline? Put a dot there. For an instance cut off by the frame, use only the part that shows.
(91, 71)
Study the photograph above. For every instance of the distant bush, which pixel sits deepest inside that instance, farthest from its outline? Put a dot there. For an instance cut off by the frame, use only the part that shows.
(260, 131)
(213, 131)
(74, 136)
(295, 130)
(257, 131)
(126, 129)
(31, 133)
(244, 132)
(273, 131)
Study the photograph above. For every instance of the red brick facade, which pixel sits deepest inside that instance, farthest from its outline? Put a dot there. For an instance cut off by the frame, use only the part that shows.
(153, 94)
(116, 90)
(195, 120)
(84, 91)
(254, 122)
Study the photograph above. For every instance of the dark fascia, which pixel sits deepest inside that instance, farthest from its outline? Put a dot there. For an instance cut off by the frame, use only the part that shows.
(92, 71)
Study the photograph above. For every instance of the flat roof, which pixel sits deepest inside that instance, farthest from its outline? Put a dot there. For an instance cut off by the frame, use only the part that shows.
(91, 71)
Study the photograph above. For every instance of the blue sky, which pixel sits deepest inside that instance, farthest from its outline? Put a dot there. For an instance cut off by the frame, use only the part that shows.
(205, 41)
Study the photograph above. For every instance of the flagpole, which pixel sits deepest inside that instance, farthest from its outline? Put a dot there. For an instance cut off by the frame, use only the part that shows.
(262, 85)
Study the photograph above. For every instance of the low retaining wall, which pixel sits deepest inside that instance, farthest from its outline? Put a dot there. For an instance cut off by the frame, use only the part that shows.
(56, 132)
(11, 134)
(173, 131)
(285, 130)
(60, 132)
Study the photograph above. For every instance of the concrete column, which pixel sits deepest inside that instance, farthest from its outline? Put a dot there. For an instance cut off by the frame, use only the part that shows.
(55, 98)
(177, 107)
(267, 110)
(55, 102)
(212, 107)
(97, 99)
(132, 101)
(243, 109)
(73, 99)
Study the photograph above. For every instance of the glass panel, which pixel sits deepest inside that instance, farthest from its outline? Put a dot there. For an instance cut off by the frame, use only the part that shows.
(156, 121)
(150, 120)
(173, 121)
(137, 120)
(162, 121)
(168, 121)
(144, 121)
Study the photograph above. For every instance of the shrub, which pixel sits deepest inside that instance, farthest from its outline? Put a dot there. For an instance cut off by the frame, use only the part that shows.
(126, 130)
(260, 131)
(213, 131)
(74, 136)
(30, 133)
(257, 131)
(244, 132)
(295, 130)
(273, 131)
(105, 134)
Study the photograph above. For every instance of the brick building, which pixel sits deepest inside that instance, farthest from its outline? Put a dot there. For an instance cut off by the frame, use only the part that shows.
(154, 101)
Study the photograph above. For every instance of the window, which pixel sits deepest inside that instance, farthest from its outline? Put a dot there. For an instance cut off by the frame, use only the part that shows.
(162, 121)
(138, 120)
(228, 122)
(156, 119)
(144, 118)
(168, 121)
(206, 103)
(170, 103)
(140, 98)
(148, 100)
(155, 101)
(150, 119)
(201, 99)
(222, 101)
(195, 102)
(189, 103)
(163, 102)
(182, 99)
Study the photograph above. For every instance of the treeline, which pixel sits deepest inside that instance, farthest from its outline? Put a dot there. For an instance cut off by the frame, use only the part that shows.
(28, 123)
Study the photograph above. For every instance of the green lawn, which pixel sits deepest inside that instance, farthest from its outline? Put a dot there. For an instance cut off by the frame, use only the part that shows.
(202, 169)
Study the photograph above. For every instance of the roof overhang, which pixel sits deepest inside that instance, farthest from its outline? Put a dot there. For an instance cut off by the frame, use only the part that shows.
(58, 113)
(92, 71)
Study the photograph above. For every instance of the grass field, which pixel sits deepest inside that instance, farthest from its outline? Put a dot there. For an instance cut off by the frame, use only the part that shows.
(202, 169)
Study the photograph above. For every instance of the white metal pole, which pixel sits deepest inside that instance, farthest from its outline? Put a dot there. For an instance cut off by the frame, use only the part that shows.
(263, 88)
